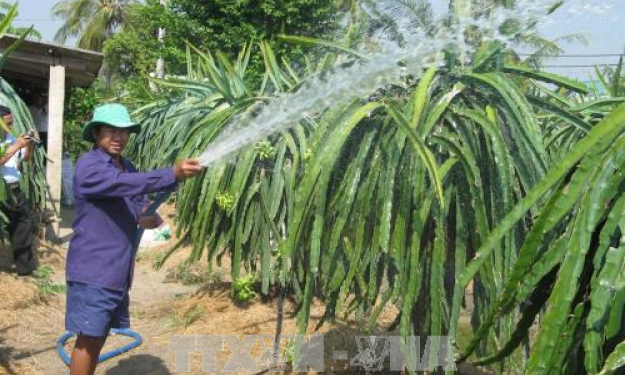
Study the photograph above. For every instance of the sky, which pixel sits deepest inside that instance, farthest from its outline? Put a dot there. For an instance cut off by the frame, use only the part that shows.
(602, 22)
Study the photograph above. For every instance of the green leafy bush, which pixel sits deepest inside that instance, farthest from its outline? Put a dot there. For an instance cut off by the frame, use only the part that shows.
(243, 288)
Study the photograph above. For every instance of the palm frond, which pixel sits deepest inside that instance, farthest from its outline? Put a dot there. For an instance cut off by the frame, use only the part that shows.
(90, 21)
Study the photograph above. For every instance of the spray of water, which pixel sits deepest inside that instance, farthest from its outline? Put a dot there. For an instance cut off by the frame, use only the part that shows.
(422, 49)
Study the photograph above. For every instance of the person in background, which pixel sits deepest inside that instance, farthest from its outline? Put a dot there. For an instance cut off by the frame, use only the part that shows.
(39, 112)
(110, 202)
(15, 207)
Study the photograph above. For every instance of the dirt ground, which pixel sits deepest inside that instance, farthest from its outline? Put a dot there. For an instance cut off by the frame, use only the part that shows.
(31, 323)
(31, 319)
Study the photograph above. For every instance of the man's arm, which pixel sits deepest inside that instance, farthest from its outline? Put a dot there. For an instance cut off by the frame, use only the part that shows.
(104, 180)
(28, 154)
(13, 149)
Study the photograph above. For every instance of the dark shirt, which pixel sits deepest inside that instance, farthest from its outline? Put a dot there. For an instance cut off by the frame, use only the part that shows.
(108, 206)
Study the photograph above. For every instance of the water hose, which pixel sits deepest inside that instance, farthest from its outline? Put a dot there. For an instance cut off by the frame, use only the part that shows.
(60, 344)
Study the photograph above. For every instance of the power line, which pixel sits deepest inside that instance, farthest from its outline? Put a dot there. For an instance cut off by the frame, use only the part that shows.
(576, 56)
(519, 54)
(577, 66)
(36, 19)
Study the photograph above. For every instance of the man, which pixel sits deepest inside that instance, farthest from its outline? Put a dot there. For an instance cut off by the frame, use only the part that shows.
(39, 112)
(109, 198)
(16, 207)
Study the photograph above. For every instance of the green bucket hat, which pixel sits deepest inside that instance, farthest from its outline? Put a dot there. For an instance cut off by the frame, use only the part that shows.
(115, 115)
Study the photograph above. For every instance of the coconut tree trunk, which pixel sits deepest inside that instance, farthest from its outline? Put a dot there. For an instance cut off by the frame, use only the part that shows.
(160, 63)
(159, 72)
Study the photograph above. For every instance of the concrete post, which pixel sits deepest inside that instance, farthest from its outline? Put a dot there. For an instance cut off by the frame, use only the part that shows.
(56, 102)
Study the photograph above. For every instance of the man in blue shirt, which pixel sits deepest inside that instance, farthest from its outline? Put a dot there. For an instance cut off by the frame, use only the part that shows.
(16, 207)
(109, 196)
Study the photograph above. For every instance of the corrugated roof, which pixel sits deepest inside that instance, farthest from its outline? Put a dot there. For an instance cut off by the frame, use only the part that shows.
(32, 60)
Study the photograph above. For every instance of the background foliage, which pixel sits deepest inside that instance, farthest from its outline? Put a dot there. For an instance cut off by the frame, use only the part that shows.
(79, 105)
(216, 25)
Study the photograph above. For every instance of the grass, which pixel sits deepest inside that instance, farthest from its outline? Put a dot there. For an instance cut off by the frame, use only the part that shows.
(184, 273)
(465, 333)
(194, 274)
(157, 260)
(47, 287)
(136, 313)
(175, 319)
(154, 258)
(141, 256)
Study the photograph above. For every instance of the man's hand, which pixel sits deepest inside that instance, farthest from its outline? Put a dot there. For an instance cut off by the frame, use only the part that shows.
(187, 168)
(23, 141)
(150, 221)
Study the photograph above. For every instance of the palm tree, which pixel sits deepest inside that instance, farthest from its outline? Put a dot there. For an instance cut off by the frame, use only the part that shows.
(5, 11)
(91, 21)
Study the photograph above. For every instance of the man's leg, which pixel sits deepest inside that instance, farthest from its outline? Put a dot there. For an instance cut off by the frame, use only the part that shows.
(88, 314)
(85, 355)
(21, 234)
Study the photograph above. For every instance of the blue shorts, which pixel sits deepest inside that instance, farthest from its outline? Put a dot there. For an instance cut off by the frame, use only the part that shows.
(93, 311)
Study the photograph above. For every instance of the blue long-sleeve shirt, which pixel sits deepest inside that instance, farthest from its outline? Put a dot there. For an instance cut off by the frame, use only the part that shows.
(108, 205)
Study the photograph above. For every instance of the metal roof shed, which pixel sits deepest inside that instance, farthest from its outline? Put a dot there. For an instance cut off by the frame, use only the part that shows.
(55, 67)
